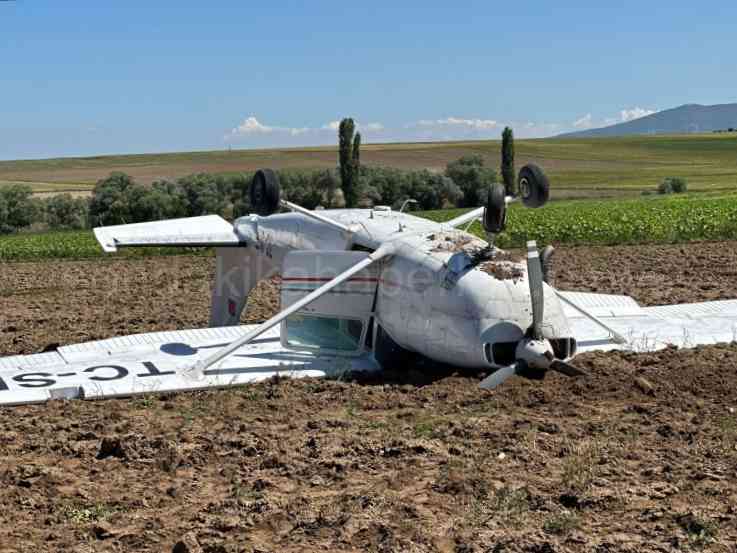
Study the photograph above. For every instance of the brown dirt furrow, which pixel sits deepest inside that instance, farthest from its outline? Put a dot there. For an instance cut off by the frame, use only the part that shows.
(639, 457)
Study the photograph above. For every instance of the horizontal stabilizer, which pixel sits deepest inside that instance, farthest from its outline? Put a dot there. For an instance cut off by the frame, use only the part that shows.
(207, 231)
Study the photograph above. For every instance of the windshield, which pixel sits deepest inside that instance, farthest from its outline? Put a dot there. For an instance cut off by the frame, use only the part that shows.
(309, 331)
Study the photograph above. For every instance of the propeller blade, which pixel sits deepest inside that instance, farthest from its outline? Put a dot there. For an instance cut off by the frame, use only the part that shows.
(567, 369)
(497, 377)
(535, 279)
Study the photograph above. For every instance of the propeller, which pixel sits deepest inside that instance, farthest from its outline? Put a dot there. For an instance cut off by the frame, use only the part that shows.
(535, 280)
(534, 352)
(566, 368)
(498, 376)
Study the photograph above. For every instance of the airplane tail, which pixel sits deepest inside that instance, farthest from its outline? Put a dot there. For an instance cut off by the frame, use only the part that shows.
(238, 267)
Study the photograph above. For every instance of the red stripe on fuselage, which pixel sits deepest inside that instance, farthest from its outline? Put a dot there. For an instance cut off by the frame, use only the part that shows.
(321, 279)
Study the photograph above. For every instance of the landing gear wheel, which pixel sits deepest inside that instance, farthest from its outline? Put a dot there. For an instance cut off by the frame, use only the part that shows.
(495, 212)
(264, 193)
(533, 186)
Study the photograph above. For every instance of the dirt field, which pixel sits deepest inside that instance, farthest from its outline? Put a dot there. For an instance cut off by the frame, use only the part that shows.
(641, 456)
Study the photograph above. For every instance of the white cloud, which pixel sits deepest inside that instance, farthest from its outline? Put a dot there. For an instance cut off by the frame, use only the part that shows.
(584, 122)
(635, 113)
(255, 133)
(479, 124)
(250, 125)
(252, 131)
(335, 125)
(332, 126)
(588, 122)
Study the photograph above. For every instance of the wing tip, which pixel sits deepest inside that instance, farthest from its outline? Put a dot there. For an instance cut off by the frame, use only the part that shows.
(107, 243)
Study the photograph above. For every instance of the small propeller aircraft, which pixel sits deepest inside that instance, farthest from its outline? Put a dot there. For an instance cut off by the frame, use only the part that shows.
(362, 289)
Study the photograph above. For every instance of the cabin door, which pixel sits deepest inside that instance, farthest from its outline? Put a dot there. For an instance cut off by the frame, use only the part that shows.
(339, 321)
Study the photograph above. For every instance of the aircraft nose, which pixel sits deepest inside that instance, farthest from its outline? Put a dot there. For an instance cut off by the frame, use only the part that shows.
(499, 341)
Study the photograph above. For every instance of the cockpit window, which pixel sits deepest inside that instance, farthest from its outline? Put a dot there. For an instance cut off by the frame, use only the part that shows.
(310, 331)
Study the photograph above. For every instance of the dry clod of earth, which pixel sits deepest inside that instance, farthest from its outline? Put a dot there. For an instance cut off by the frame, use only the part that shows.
(408, 461)
(645, 386)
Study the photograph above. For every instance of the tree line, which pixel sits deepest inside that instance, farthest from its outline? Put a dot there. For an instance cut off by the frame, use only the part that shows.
(119, 199)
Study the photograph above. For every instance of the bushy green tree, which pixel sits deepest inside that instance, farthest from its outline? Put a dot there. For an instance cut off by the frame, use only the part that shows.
(173, 198)
(450, 193)
(300, 187)
(17, 208)
(154, 203)
(63, 211)
(469, 173)
(508, 160)
(673, 185)
(205, 194)
(110, 202)
(327, 184)
(384, 185)
(345, 156)
(239, 199)
(3, 214)
(679, 184)
(119, 200)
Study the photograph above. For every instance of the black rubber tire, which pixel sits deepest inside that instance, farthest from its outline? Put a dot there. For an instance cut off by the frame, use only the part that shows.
(533, 186)
(264, 192)
(495, 212)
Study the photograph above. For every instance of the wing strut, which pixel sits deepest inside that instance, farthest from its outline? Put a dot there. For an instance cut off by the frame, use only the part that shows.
(279, 317)
(467, 217)
(477, 213)
(314, 215)
(618, 338)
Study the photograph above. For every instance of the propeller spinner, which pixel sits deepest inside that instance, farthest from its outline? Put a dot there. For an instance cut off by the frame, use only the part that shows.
(534, 351)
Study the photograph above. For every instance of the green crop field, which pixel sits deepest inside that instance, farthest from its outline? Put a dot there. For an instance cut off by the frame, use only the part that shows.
(667, 219)
(73, 244)
(583, 167)
(625, 221)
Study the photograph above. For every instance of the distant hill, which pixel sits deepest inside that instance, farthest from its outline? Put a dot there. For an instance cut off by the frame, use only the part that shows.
(688, 118)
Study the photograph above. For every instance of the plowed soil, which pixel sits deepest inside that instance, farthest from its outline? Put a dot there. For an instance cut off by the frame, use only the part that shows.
(640, 456)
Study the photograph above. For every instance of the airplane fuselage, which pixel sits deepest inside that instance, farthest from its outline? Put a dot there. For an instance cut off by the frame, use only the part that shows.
(431, 297)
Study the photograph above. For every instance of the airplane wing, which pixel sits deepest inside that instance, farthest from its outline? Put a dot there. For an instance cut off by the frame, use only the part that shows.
(160, 362)
(208, 230)
(648, 328)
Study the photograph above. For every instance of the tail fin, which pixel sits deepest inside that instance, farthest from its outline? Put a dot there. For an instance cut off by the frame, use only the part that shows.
(237, 272)
(238, 267)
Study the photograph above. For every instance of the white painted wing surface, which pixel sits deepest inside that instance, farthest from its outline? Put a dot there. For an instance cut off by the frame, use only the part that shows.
(159, 362)
(650, 328)
(208, 230)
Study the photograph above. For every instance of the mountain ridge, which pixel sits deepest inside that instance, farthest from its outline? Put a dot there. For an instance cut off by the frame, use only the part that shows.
(688, 118)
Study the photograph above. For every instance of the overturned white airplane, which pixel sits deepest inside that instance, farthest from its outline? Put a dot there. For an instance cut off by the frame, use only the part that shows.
(361, 289)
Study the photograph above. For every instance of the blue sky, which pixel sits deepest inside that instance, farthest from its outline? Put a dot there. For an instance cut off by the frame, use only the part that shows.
(91, 77)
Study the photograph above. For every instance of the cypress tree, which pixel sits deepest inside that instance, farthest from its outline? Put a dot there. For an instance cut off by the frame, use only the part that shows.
(356, 154)
(345, 154)
(508, 160)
